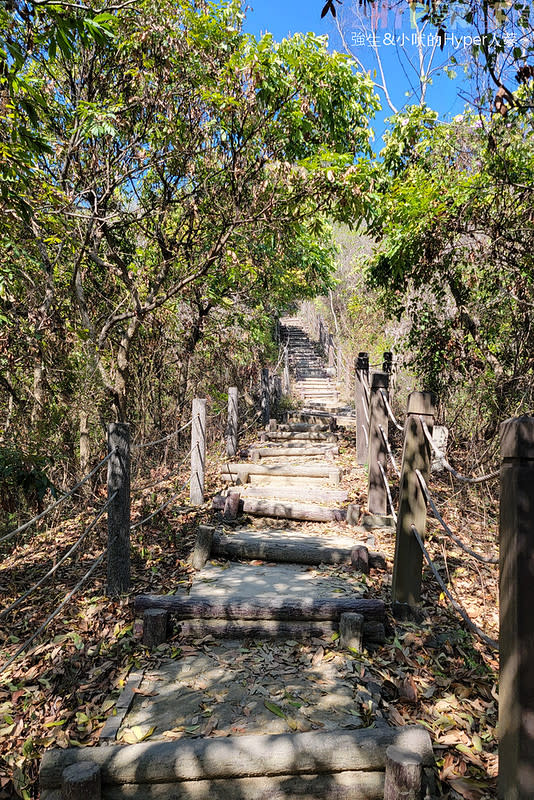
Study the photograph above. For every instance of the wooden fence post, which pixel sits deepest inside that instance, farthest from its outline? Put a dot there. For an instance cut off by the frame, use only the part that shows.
(233, 422)
(198, 452)
(387, 362)
(118, 558)
(416, 454)
(404, 775)
(516, 589)
(81, 781)
(331, 351)
(285, 380)
(360, 401)
(265, 397)
(377, 494)
(277, 393)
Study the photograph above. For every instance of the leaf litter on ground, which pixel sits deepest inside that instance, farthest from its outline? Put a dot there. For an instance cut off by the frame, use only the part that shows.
(434, 673)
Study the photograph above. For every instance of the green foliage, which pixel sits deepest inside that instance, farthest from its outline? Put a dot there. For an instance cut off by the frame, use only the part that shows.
(23, 480)
(178, 201)
(455, 254)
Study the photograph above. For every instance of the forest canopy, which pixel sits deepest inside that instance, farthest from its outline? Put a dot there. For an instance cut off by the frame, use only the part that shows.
(164, 177)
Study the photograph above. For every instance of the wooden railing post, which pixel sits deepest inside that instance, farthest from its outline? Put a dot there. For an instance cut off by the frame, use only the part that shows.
(285, 380)
(265, 397)
(118, 558)
(387, 362)
(339, 363)
(331, 351)
(198, 452)
(377, 494)
(516, 589)
(277, 393)
(361, 405)
(233, 422)
(408, 566)
(81, 781)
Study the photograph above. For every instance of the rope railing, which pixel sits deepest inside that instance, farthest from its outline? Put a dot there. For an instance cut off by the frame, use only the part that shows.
(54, 614)
(456, 539)
(281, 356)
(441, 455)
(168, 476)
(61, 561)
(251, 424)
(388, 492)
(389, 410)
(365, 411)
(364, 429)
(457, 607)
(74, 489)
(163, 439)
(389, 451)
(161, 507)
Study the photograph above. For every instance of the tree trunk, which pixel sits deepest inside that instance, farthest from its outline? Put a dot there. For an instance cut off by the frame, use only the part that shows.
(85, 446)
(39, 392)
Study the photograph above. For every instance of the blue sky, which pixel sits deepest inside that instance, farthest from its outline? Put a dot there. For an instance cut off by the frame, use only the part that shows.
(395, 36)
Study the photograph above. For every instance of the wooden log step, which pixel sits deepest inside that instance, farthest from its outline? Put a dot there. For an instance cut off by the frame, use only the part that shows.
(292, 452)
(295, 443)
(283, 510)
(307, 436)
(345, 421)
(374, 632)
(322, 786)
(285, 470)
(234, 757)
(316, 417)
(277, 608)
(303, 427)
(293, 548)
(319, 395)
(279, 480)
(318, 495)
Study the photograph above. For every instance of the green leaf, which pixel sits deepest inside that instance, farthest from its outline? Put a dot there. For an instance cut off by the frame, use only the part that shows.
(274, 708)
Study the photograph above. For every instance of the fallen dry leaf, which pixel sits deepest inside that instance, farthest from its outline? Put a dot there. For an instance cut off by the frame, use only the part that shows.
(408, 690)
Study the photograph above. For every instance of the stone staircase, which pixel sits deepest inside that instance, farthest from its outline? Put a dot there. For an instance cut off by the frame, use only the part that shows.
(313, 382)
(284, 562)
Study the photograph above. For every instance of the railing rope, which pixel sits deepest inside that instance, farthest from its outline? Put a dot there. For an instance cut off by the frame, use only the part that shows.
(54, 614)
(388, 492)
(163, 439)
(391, 415)
(441, 455)
(64, 497)
(16, 603)
(161, 507)
(456, 539)
(166, 477)
(457, 607)
(389, 451)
